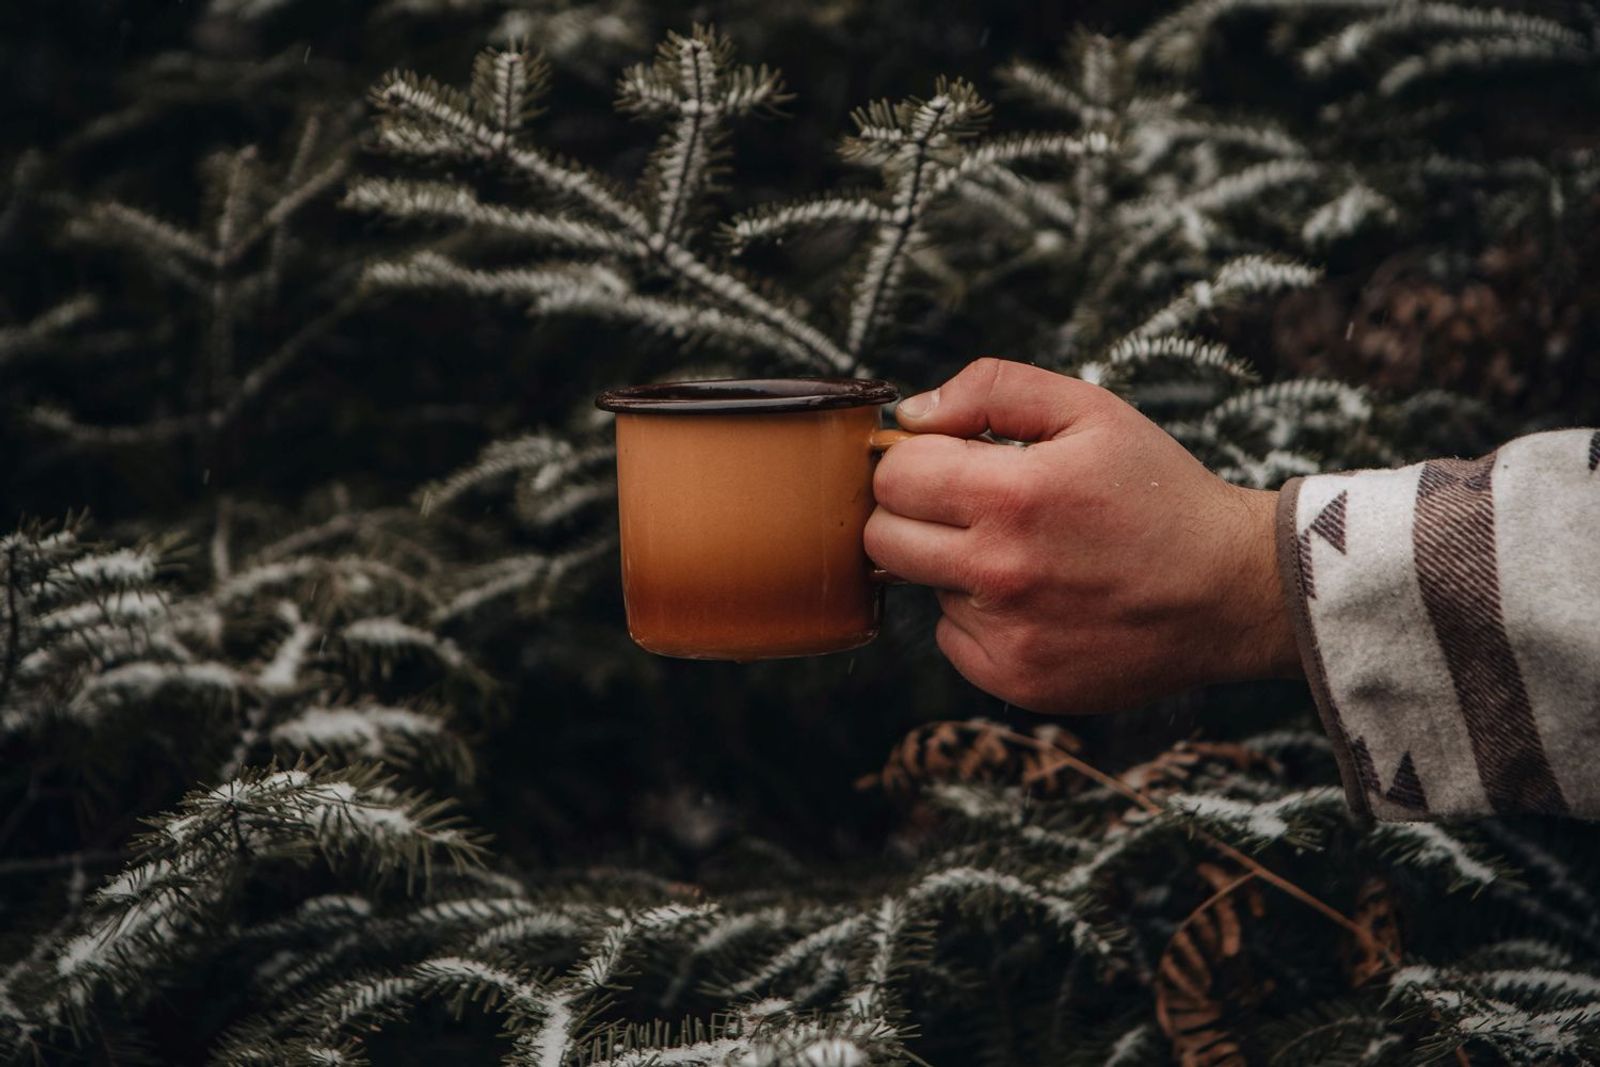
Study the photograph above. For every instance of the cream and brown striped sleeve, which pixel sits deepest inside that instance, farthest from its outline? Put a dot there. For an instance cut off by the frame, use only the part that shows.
(1448, 616)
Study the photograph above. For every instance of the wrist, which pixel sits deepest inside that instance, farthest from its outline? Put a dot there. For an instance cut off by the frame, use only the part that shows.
(1260, 630)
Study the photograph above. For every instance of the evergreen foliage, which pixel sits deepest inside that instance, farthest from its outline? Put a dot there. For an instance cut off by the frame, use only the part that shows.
(333, 751)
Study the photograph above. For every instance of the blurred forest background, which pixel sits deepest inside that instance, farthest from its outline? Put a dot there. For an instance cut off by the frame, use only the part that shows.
(296, 361)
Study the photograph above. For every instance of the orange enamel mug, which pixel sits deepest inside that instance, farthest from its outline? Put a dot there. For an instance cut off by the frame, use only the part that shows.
(742, 503)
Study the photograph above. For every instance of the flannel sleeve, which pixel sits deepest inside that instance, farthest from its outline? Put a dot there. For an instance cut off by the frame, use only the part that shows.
(1448, 617)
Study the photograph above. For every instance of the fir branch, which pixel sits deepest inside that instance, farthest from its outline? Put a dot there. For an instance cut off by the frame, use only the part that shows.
(191, 860)
(553, 1040)
(927, 135)
(830, 937)
(1044, 89)
(141, 683)
(365, 732)
(1257, 136)
(540, 507)
(345, 576)
(687, 78)
(1430, 846)
(1283, 406)
(725, 286)
(679, 319)
(112, 223)
(1037, 198)
(1135, 1043)
(1354, 41)
(1471, 55)
(1141, 351)
(997, 153)
(539, 577)
(1346, 213)
(36, 334)
(499, 460)
(154, 431)
(1175, 41)
(964, 883)
(1245, 275)
(506, 86)
(773, 223)
(388, 638)
(1228, 192)
(281, 674)
(226, 409)
(1283, 818)
(447, 202)
(429, 270)
(420, 114)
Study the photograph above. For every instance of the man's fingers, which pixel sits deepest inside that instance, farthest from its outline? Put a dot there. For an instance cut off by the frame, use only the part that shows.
(927, 553)
(939, 479)
(1014, 400)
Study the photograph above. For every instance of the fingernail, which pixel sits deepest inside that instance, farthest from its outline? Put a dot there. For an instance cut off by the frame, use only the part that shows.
(919, 405)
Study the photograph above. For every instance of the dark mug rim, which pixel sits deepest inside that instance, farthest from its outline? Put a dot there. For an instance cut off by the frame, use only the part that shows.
(735, 396)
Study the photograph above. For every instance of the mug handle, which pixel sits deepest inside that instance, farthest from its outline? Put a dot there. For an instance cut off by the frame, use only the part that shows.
(881, 441)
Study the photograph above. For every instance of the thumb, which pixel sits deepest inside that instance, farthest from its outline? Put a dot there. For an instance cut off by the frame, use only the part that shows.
(1014, 400)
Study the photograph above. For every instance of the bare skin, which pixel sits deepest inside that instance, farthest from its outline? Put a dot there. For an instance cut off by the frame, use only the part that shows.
(1098, 568)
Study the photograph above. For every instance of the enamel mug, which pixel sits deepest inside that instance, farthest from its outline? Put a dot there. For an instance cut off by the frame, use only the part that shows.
(742, 504)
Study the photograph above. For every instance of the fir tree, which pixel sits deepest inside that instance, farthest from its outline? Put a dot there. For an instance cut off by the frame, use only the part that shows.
(264, 759)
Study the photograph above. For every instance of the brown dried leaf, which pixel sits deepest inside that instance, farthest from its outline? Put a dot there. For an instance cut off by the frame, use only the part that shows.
(1170, 769)
(1376, 913)
(977, 751)
(1203, 977)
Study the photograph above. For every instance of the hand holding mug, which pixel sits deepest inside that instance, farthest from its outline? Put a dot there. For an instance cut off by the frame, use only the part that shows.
(1099, 567)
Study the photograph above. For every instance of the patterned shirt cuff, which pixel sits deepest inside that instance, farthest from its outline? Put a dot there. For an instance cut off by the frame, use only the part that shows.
(1439, 614)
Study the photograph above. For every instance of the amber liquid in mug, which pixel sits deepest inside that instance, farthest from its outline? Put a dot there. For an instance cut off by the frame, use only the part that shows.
(741, 533)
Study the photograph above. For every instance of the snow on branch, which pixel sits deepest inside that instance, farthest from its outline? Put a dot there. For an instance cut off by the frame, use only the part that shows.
(193, 860)
(1356, 40)
(37, 333)
(1356, 207)
(1230, 191)
(1257, 824)
(1469, 56)
(506, 86)
(1176, 41)
(434, 202)
(1433, 847)
(682, 320)
(527, 455)
(1243, 276)
(693, 84)
(774, 222)
(1134, 352)
(429, 270)
(369, 732)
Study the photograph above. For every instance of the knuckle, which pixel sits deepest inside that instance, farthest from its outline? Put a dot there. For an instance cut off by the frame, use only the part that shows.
(1002, 581)
(984, 368)
(977, 378)
(1011, 496)
(912, 467)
